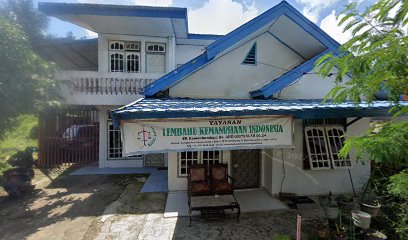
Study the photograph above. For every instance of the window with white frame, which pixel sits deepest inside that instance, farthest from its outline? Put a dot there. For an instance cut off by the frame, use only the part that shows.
(323, 143)
(155, 57)
(335, 138)
(124, 56)
(115, 144)
(185, 159)
(155, 48)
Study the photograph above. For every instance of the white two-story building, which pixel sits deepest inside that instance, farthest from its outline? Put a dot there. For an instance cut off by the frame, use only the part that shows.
(250, 99)
(135, 46)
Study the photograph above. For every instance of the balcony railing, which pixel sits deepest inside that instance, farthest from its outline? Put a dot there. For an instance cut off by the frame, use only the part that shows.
(107, 84)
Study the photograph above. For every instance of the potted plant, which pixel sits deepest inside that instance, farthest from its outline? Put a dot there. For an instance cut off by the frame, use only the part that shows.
(346, 202)
(326, 200)
(371, 206)
(332, 211)
(374, 235)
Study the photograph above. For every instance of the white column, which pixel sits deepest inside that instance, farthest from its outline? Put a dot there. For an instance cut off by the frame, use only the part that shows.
(171, 56)
(143, 56)
(103, 54)
(103, 136)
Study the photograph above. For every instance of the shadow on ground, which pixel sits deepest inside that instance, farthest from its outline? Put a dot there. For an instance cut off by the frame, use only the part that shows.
(61, 208)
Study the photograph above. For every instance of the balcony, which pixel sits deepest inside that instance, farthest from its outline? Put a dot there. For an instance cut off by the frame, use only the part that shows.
(94, 88)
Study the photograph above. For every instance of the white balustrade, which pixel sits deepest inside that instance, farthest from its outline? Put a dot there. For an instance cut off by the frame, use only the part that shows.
(84, 82)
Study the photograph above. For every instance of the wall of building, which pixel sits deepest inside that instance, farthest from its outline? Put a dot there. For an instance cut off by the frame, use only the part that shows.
(267, 170)
(177, 183)
(301, 88)
(296, 179)
(103, 143)
(301, 181)
(234, 79)
(185, 53)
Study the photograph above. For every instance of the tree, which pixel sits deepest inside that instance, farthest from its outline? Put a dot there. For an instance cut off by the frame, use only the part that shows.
(22, 12)
(376, 57)
(26, 81)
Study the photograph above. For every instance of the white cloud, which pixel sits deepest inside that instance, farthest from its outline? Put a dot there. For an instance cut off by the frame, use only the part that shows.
(356, 1)
(90, 34)
(330, 25)
(158, 3)
(220, 16)
(312, 8)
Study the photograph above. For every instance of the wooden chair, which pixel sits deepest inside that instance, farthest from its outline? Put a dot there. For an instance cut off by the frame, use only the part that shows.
(198, 181)
(219, 180)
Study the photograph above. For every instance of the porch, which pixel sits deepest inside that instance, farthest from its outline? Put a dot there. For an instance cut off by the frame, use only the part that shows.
(250, 200)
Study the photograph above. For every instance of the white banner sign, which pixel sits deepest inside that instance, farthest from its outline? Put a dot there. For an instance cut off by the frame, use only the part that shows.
(209, 134)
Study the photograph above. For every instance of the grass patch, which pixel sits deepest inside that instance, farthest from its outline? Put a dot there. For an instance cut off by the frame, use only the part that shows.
(23, 135)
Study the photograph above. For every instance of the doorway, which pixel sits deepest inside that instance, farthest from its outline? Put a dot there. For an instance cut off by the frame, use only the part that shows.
(245, 168)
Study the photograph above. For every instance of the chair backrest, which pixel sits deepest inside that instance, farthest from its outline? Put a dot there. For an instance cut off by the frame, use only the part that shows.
(197, 173)
(219, 172)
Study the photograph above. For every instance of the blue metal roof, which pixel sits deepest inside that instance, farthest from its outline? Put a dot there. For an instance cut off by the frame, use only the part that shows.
(191, 108)
(221, 44)
(52, 8)
(204, 36)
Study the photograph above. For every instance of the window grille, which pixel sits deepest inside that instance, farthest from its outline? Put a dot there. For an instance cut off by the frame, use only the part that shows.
(132, 46)
(116, 62)
(250, 58)
(155, 48)
(210, 158)
(124, 56)
(207, 158)
(186, 159)
(316, 147)
(323, 144)
(335, 137)
(115, 45)
(115, 144)
(132, 62)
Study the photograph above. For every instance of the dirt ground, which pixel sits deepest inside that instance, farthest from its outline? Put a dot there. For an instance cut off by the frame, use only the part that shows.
(60, 208)
(112, 207)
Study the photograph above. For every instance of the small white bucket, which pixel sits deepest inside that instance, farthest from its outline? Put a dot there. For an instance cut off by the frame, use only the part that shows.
(361, 219)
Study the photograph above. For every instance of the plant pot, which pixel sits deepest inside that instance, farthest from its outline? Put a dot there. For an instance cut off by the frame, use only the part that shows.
(373, 210)
(361, 219)
(332, 212)
(375, 235)
(346, 204)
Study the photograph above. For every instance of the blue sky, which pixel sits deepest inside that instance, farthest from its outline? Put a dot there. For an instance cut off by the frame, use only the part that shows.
(205, 16)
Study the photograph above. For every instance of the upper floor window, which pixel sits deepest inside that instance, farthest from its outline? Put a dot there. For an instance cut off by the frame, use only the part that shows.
(155, 48)
(124, 56)
(155, 57)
